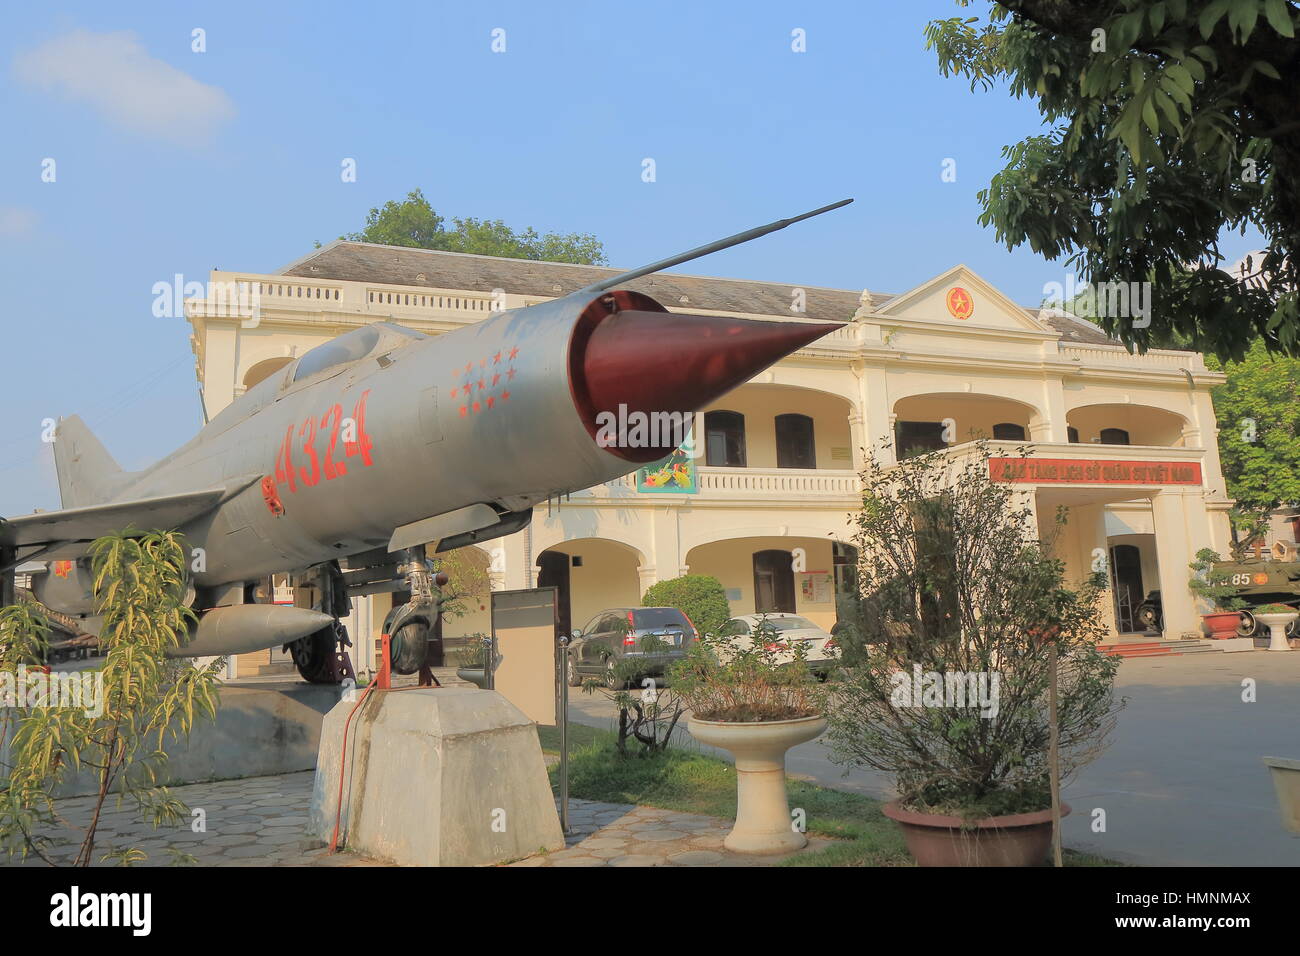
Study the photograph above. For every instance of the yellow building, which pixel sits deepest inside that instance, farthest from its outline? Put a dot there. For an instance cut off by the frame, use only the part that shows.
(1127, 443)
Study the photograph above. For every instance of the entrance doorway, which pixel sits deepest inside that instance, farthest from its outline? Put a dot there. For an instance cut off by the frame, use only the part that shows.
(1126, 585)
(554, 573)
(773, 582)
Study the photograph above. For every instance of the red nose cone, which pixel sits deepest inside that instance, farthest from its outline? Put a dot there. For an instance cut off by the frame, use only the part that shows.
(648, 362)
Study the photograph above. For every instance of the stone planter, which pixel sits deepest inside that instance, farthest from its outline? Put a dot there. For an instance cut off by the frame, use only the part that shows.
(1018, 839)
(1286, 781)
(475, 675)
(763, 823)
(1222, 624)
(1277, 625)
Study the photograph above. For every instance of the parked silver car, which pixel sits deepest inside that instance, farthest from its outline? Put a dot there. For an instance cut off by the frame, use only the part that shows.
(654, 637)
(780, 631)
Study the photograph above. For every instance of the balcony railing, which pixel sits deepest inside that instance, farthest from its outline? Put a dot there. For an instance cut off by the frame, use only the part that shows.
(1115, 356)
(762, 484)
(779, 482)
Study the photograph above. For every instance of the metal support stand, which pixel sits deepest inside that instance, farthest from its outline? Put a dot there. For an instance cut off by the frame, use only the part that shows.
(563, 722)
(490, 661)
(8, 561)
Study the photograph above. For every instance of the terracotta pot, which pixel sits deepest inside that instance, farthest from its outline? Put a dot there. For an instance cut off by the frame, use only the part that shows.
(1222, 624)
(763, 823)
(1277, 625)
(1017, 839)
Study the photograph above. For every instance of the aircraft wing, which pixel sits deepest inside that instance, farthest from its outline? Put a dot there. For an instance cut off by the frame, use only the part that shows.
(72, 529)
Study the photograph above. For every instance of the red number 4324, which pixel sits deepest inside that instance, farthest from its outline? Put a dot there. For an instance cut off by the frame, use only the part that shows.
(355, 442)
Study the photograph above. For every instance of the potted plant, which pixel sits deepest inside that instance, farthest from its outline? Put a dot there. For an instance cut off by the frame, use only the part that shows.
(968, 634)
(1279, 618)
(1216, 589)
(471, 660)
(755, 698)
(1286, 782)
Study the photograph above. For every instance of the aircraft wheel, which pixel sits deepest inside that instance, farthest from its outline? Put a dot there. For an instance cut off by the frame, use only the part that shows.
(313, 655)
(1248, 625)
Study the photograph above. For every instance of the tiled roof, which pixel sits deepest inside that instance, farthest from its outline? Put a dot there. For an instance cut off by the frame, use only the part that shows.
(399, 265)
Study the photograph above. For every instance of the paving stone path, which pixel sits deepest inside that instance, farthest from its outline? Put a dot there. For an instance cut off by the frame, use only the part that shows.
(262, 821)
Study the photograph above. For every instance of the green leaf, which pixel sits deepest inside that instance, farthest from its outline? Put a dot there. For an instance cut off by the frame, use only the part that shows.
(1242, 17)
(1279, 17)
(1210, 16)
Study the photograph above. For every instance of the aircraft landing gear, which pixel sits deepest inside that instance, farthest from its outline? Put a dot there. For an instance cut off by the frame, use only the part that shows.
(411, 625)
(322, 657)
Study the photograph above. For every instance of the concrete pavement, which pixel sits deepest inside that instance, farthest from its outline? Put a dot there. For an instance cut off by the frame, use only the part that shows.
(1182, 783)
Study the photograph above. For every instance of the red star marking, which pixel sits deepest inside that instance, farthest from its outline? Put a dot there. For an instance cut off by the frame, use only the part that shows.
(505, 396)
(480, 385)
(463, 411)
(454, 391)
(496, 378)
(491, 401)
(496, 358)
(514, 352)
(510, 373)
(476, 406)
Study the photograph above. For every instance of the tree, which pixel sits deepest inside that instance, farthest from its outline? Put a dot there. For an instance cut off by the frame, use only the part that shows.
(141, 700)
(1169, 122)
(1258, 411)
(413, 222)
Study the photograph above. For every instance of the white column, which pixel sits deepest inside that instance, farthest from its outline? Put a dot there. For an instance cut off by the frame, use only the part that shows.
(1182, 528)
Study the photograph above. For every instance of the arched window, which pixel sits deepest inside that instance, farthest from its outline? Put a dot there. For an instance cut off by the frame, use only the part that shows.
(795, 447)
(1114, 436)
(773, 582)
(918, 438)
(1009, 431)
(724, 439)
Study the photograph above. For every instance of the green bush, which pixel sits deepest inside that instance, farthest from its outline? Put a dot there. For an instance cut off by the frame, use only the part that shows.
(700, 596)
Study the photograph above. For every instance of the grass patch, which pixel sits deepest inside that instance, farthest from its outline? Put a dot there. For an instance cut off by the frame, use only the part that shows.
(686, 780)
(580, 735)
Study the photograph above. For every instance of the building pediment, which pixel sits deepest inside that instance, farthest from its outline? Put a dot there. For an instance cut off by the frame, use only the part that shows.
(962, 299)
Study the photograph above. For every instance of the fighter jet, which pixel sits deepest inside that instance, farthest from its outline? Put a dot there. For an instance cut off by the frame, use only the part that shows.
(343, 466)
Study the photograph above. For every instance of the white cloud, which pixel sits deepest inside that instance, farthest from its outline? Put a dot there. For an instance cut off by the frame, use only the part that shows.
(15, 222)
(116, 75)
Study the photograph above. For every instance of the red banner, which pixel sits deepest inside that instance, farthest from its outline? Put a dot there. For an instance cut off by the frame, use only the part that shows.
(1076, 471)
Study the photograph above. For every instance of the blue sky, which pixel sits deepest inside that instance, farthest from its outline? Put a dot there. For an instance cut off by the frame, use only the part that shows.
(170, 161)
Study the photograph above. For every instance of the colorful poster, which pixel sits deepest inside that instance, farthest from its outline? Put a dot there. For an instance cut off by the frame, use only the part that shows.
(675, 474)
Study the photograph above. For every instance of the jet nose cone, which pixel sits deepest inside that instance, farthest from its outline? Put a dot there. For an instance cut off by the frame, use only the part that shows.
(663, 362)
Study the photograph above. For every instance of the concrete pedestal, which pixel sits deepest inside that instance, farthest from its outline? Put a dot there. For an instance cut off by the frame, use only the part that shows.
(446, 776)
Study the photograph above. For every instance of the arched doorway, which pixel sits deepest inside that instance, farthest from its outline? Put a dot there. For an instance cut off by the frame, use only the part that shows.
(1126, 585)
(554, 573)
(773, 581)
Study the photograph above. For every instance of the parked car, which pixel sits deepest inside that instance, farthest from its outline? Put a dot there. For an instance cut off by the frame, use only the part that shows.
(781, 630)
(654, 637)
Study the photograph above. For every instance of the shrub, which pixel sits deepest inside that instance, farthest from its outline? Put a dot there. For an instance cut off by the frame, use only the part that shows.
(700, 596)
(141, 699)
(959, 594)
(1213, 584)
(745, 679)
(646, 717)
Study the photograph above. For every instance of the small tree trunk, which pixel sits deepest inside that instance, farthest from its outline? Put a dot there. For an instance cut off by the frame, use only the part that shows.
(1053, 757)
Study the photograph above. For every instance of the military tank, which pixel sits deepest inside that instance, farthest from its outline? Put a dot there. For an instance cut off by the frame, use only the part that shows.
(1257, 582)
